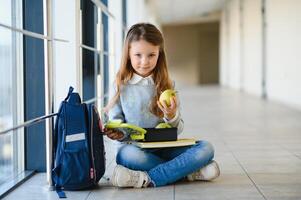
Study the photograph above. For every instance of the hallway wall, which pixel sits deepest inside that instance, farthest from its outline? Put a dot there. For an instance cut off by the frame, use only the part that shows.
(192, 52)
(234, 45)
(141, 11)
(283, 51)
(251, 47)
(243, 63)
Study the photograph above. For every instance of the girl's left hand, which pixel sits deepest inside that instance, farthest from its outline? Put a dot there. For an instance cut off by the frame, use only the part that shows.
(169, 111)
(113, 134)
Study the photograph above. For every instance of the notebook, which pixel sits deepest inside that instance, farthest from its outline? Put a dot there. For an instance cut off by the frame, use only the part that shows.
(178, 143)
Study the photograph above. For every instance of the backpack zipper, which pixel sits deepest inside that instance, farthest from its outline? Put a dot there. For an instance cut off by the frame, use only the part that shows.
(91, 141)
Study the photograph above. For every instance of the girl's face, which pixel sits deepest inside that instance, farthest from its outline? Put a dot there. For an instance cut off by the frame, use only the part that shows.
(144, 57)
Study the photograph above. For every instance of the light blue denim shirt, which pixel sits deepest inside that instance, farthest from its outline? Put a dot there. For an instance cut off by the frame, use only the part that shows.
(133, 106)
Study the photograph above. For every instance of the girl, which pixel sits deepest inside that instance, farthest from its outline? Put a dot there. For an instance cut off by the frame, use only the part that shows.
(143, 75)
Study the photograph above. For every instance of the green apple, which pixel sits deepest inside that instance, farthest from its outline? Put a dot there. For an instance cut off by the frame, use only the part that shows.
(163, 125)
(166, 95)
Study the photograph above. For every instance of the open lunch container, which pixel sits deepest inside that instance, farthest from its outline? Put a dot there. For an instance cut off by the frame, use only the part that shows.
(144, 134)
(160, 134)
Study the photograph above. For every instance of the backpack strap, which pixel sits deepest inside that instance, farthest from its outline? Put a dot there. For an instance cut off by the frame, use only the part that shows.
(69, 93)
(72, 97)
(60, 193)
(54, 176)
(55, 132)
(54, 141)
(62, 108)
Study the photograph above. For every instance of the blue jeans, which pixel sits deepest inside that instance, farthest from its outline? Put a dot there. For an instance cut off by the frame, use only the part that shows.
(166, 165)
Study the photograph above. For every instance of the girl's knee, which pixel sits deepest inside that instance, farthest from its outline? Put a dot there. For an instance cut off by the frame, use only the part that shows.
(124, 152)
(129, 156)
(205, 149)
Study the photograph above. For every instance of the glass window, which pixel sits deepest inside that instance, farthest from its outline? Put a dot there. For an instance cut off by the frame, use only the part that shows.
(124, 18)
(90, 61)
(105, 57)
(95, 51)
(10, 90)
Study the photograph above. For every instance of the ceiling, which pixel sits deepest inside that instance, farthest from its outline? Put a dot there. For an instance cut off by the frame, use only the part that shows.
(189, 11)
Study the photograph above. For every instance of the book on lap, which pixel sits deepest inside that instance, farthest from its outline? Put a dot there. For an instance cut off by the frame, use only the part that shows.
(165, 144)
(150, 137)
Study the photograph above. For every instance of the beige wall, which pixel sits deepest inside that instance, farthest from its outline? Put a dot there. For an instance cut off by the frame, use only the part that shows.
(192, 52)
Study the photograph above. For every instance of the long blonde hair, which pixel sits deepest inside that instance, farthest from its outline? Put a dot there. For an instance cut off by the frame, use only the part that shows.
(149, 33)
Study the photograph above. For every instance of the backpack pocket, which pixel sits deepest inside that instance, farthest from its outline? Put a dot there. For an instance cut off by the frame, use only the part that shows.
(75, 167)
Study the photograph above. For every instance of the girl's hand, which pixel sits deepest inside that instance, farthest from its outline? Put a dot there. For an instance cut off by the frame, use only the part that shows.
(169, 111)
(113, 134)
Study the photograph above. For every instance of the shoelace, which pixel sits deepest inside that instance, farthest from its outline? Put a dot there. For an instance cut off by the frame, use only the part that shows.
(134, 178)
(198, 175)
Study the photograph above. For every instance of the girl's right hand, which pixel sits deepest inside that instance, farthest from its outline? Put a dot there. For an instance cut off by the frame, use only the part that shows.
(113, 134)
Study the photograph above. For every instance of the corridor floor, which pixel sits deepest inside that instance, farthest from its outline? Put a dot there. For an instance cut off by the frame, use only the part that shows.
(257, 144)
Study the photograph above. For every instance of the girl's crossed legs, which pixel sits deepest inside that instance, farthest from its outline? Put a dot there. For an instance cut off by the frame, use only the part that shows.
(166, 165)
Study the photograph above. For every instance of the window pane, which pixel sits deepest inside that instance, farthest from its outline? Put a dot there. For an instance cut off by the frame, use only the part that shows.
(89, 58)
(9, 160)
(6, 118)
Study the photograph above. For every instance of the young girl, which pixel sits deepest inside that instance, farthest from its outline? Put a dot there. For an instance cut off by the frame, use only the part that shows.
(142, 77)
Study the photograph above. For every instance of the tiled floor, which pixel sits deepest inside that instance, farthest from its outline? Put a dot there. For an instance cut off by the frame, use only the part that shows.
(257, 144)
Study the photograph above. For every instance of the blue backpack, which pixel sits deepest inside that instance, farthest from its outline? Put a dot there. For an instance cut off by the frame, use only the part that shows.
(78, 148)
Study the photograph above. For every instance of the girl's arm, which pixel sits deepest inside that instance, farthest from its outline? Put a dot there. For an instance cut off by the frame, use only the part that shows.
(172, 113)
(177, 122)
(116, 112)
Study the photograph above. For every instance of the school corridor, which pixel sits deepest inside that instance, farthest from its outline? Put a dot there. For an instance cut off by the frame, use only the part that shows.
(235, 64)
(257, 144)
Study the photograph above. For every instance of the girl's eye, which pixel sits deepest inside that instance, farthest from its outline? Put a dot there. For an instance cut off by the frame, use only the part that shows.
(152, 55)
(138, 55)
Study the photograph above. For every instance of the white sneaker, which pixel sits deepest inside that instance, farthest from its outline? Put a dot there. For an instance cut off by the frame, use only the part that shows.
(207, 173)
(124, 177)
